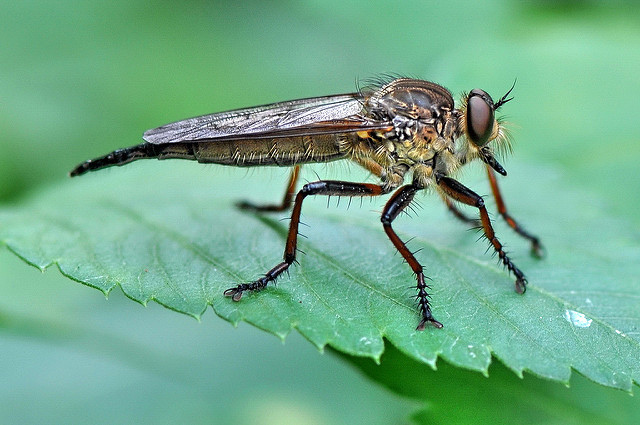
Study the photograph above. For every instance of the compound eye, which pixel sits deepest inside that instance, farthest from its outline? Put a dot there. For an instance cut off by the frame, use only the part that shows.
(480, 117)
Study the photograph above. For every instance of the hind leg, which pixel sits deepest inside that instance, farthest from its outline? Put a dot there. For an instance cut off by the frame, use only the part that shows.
(286, 201)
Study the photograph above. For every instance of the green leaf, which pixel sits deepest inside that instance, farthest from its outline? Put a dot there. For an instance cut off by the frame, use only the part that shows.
(456, 396)
(169, 232)
(66, 351)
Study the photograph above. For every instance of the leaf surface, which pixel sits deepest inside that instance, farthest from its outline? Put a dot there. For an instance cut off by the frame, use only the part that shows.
(452, 395)
(177, 239)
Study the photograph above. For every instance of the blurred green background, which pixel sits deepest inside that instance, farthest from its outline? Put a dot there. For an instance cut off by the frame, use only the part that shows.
(78, 79)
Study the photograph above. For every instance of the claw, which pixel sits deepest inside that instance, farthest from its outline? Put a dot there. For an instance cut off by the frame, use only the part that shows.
(234, 293)
(521, 285)
(537, 250)
(426, 320)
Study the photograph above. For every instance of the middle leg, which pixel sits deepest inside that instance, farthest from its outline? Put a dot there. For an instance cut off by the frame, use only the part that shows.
(461, 193)
(536, 247)
(398, 202)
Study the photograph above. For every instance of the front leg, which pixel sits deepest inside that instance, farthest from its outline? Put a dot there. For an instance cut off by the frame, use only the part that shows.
(322, 187)
(461, 193)
(398, 202)
(536, 247)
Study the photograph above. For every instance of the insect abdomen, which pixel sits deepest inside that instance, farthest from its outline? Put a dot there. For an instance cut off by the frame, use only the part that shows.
(284, 151)
(119, 157)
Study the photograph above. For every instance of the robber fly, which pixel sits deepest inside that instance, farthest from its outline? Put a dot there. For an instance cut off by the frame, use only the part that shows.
(399, 128)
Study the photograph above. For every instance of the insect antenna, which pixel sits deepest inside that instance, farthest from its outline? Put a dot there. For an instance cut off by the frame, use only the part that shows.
(504, 99)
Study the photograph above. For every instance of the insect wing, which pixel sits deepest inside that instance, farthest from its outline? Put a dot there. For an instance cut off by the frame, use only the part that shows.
(319, 115)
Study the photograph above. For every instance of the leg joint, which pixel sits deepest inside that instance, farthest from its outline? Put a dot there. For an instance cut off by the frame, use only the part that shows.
(312, 188)
(386, 219)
